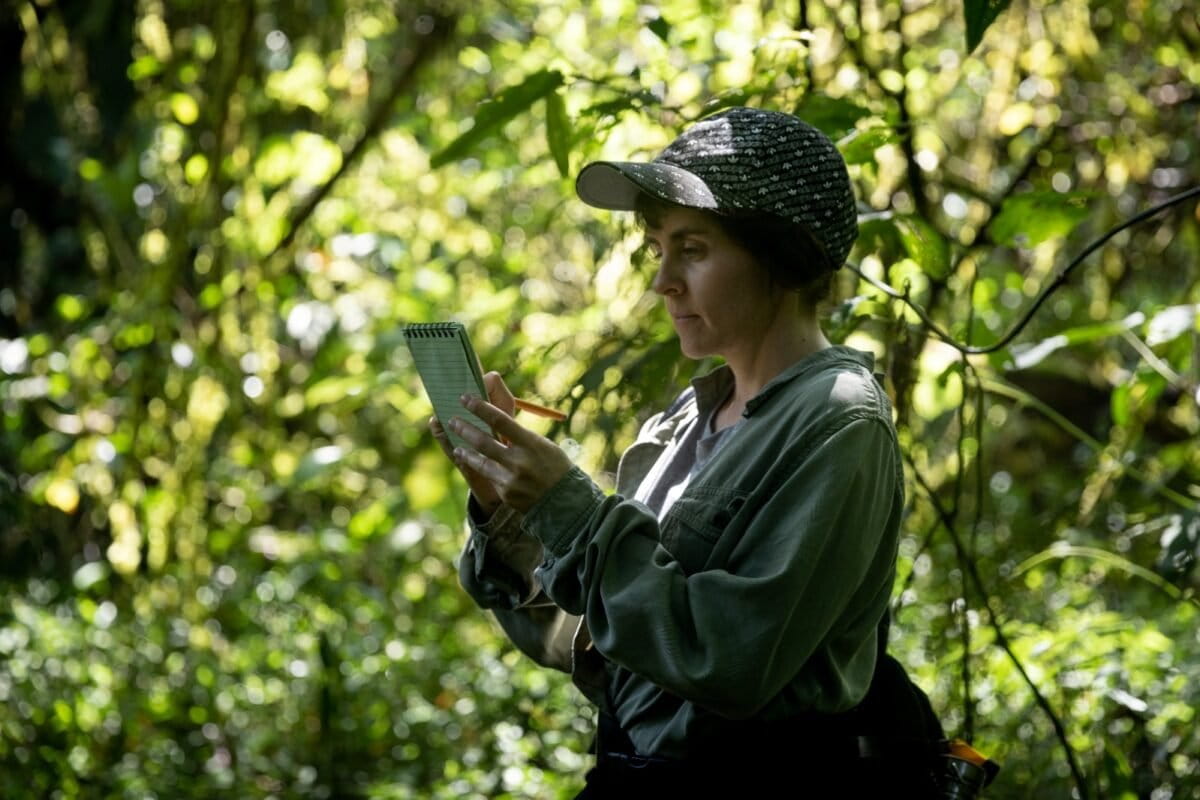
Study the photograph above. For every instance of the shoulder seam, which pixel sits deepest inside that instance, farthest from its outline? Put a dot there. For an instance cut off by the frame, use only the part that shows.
(827, 432)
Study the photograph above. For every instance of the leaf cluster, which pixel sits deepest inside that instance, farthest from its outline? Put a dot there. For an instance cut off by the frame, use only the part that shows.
(227, 541)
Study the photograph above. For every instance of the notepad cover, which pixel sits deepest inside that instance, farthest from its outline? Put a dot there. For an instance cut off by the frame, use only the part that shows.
(449, 369)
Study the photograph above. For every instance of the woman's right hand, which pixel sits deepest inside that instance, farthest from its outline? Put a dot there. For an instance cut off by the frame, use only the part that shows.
(484, 491)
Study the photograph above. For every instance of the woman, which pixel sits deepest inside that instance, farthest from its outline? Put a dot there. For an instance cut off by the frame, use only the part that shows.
(724, 607)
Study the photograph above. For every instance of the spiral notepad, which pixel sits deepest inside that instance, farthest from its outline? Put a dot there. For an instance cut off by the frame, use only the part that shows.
(449, 369)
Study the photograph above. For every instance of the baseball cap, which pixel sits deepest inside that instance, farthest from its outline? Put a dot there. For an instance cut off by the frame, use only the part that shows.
(738, 162)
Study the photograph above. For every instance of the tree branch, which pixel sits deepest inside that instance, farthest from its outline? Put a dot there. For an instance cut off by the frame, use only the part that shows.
(58, 88)
(428, 42)
(226, 83)
(1013, 393)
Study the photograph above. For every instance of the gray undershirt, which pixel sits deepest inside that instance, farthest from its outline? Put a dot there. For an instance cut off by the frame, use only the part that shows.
(676, 467)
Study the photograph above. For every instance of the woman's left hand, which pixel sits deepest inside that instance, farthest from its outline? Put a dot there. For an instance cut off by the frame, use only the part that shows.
(522, 467)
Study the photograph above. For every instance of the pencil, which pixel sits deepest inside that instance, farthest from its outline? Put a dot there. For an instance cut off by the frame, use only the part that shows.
(541, 411)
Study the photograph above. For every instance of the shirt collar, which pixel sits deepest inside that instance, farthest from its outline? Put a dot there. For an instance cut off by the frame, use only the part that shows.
(711, 390)
(712, 387)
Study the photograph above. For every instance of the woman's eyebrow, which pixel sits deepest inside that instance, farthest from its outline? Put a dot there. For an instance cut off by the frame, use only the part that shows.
(678, 233)
(689, 231)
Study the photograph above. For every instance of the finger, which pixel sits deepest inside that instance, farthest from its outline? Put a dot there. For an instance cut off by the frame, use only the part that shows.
(439, 436)
(479, 440)
(503, 424)
(498, 393)
(481, 465)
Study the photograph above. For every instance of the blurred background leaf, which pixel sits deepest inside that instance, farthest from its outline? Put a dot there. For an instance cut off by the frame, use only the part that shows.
(227, 540)
(1027, 220)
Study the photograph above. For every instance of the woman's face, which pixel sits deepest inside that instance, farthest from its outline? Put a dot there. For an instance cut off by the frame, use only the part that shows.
(720, 300)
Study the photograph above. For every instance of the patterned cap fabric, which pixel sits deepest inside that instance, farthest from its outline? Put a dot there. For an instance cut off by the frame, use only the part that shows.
(742, 160)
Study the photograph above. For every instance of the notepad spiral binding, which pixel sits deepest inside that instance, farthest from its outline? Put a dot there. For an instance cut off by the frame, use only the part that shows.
(432, 330)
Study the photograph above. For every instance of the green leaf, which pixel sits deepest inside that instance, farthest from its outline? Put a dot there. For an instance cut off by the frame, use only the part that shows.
(558, 132)
(63, 712)
(979, 15)
(90, 574)
(1119, 404)
(492, 114)
(726, 99)
(1030, 219)
(660, 28)
(1171, 323)
(71, 306)
(924, 245)
(878, 235)
(301, 84)
(317, 462)
(144, 67)
(1180, 546)
(860, 146)
(333, 389)
(609, 107)
(834, 116)
(1024, 356)
(308, 156)
(370, 520)
(1139, 393)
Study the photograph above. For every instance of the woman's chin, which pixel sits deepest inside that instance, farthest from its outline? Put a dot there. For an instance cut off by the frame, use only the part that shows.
(692, 349)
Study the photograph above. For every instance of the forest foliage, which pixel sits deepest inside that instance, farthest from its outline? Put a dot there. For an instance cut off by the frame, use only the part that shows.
(227, 540)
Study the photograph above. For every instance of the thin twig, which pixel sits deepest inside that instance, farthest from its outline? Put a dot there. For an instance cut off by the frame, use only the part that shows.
(1157, 364)
(978, 456)
(1059, 281)
(1001, 639)
(964, 554)
(803, 25)
(912, 573)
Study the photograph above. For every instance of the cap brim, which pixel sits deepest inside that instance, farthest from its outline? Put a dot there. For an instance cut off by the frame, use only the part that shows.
(615, 185)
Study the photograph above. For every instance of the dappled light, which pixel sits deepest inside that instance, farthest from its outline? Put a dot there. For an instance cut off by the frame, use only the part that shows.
(228, 540)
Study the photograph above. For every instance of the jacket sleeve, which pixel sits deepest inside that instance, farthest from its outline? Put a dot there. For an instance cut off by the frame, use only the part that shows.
(496, 568)
(812, 552)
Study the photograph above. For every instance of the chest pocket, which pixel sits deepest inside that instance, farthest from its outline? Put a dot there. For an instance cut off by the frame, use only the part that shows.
(699, 519)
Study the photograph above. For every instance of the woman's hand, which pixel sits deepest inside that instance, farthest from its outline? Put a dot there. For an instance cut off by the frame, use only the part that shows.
(519, 469)
(483, 490)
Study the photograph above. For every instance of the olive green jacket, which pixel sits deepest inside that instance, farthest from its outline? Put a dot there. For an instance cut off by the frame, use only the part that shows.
(759, 593)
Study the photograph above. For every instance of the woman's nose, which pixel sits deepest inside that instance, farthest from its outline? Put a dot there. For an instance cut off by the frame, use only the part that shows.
(665, 280)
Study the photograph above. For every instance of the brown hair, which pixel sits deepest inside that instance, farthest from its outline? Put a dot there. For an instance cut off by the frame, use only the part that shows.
(785, 249)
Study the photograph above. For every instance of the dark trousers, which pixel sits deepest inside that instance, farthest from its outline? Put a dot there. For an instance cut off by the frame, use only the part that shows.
(786, 764)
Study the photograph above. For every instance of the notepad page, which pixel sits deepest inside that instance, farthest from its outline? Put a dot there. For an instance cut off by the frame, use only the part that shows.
(449, 369)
